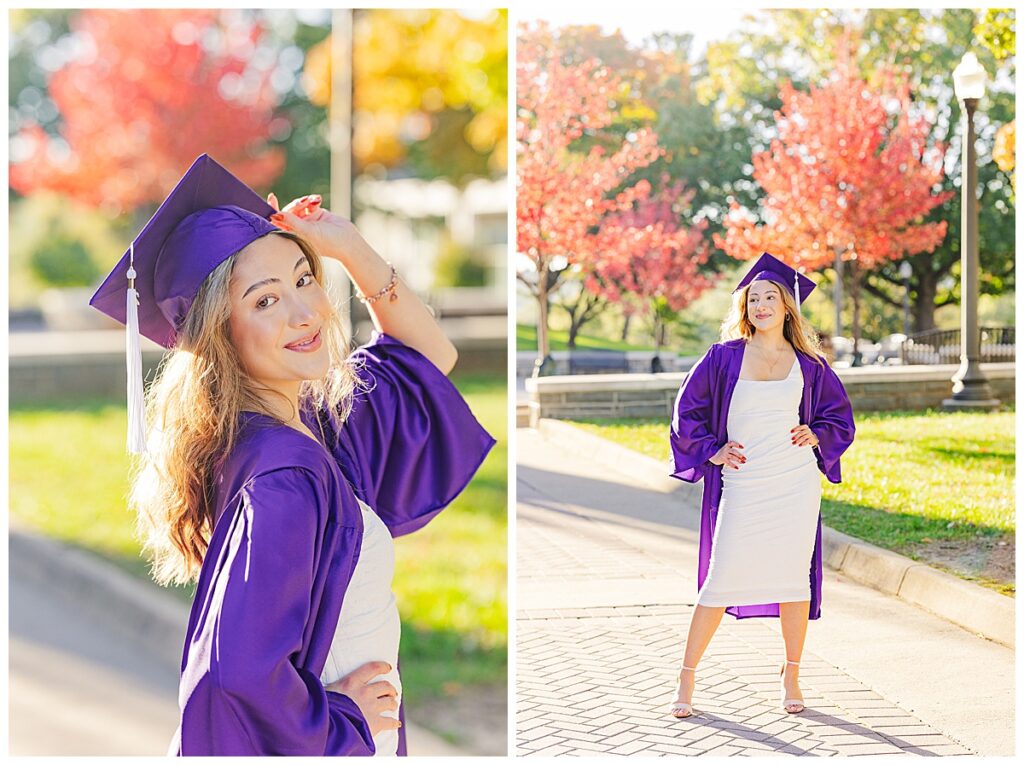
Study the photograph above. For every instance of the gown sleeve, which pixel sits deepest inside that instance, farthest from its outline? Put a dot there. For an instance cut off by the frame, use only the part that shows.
(832, 423)
(410, 444)
(242, 691)
(691, 438)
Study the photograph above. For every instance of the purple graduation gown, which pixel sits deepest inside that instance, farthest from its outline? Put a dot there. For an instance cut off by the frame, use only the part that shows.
(284, 547)
(699, 429)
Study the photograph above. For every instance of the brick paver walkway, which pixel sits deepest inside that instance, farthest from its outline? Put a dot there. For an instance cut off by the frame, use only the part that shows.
(603, 612)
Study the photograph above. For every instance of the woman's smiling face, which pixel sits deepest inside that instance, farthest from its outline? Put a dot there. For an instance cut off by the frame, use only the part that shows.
(765, 307)
(277, 310)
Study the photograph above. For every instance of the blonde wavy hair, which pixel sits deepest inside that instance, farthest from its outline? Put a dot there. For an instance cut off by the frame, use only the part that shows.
(192, 413)
(795, 328)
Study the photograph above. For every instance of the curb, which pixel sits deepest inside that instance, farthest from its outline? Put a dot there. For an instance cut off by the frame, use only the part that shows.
(975, 608)
(146, 610)
(157, 617)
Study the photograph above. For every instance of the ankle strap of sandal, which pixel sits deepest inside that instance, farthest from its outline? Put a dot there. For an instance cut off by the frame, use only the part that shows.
(792, 662)
(692, 669)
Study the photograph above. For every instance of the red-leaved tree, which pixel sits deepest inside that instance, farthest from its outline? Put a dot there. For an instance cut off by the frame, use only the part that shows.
(648, 256)
(563, 193)
(150, 91)
(849, 177)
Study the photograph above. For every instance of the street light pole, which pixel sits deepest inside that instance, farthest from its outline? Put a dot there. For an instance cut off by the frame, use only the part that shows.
(971, 389)
(339, 122)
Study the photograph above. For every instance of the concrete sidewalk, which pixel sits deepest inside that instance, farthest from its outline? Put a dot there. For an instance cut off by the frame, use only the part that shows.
(977, 609)
(606, 581)
(94, 656)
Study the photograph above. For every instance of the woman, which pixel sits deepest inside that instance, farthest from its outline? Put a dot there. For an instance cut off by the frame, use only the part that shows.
(278, 468)
(760, 531)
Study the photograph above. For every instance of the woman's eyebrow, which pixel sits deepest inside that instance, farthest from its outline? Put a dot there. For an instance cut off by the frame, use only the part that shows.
(265, 282)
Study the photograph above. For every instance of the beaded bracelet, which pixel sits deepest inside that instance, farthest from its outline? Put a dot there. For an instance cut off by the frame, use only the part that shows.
(388, 288)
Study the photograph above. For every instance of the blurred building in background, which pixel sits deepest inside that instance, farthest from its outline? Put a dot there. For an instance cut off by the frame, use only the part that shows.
(441, 236)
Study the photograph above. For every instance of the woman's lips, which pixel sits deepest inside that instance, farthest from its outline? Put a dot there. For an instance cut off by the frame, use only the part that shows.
(305, 347)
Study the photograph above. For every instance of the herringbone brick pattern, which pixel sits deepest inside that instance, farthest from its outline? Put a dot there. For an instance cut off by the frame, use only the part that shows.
(599, 680)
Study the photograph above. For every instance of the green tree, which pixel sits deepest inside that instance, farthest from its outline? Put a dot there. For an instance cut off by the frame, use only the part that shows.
(63, 262)
(430, 91)
(741, 84)
(997, 31)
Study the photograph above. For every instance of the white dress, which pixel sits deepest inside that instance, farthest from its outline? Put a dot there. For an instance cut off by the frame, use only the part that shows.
(369, 628)
(768, 514)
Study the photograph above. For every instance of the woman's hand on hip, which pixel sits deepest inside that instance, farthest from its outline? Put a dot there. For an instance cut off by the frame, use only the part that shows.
(730, 455)
(331, 235)
(802, 435)
(371, 698)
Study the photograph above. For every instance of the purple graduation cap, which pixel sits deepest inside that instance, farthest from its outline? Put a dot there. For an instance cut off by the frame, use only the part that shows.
(770, 267)
(208, 217)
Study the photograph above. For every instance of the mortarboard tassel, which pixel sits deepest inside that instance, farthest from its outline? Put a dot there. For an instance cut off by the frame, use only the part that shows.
(796, 291)
(136, 413)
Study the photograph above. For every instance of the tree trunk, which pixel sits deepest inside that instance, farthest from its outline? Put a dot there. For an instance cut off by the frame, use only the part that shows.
(583, 310)
(543, 348)
(924, 304)
(574, 328)
(625, 326)
(855, 276)
(837, 294)
(660, 333)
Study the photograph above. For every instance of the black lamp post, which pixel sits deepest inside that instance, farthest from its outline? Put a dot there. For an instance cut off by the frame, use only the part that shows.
(971, 390)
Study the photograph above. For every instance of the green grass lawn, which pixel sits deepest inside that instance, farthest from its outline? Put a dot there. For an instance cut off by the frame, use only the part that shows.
(450, 579)
(910, 479)
(68, 479)
(526, 340)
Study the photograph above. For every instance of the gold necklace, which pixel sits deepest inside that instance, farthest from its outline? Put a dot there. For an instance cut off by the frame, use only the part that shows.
(764, 355)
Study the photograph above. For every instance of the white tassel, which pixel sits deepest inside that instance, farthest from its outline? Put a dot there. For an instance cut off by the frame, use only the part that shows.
(796, 291)
(136, 412)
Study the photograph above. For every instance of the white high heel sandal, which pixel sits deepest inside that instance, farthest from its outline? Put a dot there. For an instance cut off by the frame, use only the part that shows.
(786, 703)
(681, 706)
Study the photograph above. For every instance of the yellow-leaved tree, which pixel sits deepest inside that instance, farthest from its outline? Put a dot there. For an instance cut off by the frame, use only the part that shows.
(430, 90)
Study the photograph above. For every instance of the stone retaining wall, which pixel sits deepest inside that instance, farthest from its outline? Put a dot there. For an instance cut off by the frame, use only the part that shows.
(650, 395)
(638, 361)
(46, 366)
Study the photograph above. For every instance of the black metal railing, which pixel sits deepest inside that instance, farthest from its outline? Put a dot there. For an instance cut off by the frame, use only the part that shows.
(942, 346)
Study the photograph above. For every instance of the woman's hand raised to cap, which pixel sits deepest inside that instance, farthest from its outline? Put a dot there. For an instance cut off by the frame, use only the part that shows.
(331, 235)
(403, 316)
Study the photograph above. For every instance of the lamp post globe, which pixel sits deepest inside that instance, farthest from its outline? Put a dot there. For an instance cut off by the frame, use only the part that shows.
(971, 390)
